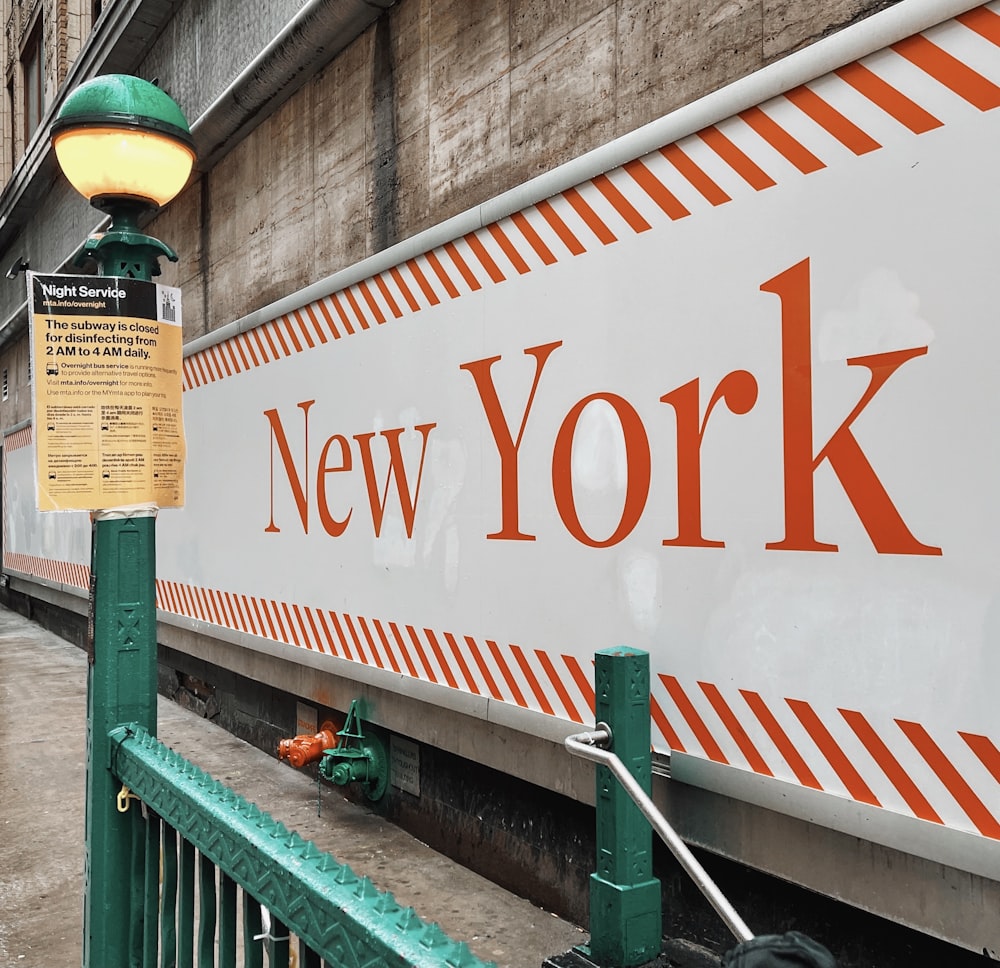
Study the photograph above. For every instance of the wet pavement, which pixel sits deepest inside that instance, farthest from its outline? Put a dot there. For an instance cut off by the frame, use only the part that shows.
(42, 778)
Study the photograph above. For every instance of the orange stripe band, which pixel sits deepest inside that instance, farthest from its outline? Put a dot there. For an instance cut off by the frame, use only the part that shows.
(604, 235)
(782, 142)
(372, 304)
(829, 118)
(699, 180)
(621, 204)
(949, 71)
(533, 683)
(882, 755)
(964, 795)
(504, 242)
(738, 733)
(780, 739)
(485, 259)
(425, 286)
(984, 22)
(835, 756)
(506, 673)
(557, 684)
(988, 754)
(463, 267)
(435, 264)
(533, 238)
(462, 664)
(712, 749)
(737, 159)
(666, 730)
(483, 668)
(561, 229)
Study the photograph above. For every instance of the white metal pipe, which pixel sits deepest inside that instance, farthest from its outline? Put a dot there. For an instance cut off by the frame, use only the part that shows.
(585, 745)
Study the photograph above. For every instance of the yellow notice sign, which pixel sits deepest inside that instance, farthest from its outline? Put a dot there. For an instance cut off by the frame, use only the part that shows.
(106, 359)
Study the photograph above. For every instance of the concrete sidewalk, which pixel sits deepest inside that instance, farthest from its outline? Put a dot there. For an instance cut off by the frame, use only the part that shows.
(42, 777)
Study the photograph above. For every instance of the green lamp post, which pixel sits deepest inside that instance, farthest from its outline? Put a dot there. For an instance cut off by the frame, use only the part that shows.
(126, 147)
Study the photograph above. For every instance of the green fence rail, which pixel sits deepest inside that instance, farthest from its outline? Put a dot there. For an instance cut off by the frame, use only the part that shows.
(340, 918)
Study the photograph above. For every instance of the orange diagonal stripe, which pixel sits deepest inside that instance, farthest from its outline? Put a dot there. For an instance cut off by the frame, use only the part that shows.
(892, 768)
(561, 229)
(829, 118)
(656, 190)
(950, 71)
(737, 159)
(712, 749)
(533, 238)
(955, 783)
(988, 754)
(736, 730)
(663, 724)
(558, 685)
(590, 217)
(693, 173)
(621, 204)
(782, 142)
(984, 22)
(835, 756)
(536, 688)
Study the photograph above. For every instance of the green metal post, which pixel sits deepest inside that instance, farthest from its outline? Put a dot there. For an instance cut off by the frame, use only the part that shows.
(625, 918)
(121, 689)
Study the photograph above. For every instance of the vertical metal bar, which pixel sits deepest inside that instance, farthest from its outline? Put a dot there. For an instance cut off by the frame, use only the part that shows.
(121, 689)
(137, 884)
(168, 902)
(227, 922)
(253, 951)
(307, 957)
(277, 945)
(150, 919)
(206, 913)
(625, 906)
(185, 907)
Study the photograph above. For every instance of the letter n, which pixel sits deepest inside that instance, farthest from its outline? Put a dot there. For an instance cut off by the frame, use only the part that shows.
(298, 483)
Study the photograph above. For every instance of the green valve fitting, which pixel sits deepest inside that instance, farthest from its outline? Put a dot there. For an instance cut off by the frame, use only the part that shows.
(357, 759)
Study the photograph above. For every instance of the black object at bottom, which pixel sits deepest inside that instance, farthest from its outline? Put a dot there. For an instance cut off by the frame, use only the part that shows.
(790, 950)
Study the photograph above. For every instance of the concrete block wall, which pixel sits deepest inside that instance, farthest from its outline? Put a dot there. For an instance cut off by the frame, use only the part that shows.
(443, 104)
(438, 106)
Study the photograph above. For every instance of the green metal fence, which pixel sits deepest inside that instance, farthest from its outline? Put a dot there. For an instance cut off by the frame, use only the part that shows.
(199, 832)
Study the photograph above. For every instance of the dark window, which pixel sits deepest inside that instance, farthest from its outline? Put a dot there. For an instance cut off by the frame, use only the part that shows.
(31, 63)
(12, 108)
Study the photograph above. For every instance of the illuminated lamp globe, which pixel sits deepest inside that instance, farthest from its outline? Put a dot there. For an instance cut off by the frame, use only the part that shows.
(121, 140)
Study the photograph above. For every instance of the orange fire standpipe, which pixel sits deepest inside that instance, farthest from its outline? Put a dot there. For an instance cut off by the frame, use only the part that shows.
(303, 749)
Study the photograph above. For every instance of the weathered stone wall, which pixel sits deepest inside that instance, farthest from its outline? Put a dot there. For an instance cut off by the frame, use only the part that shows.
(440, 105)
(443, 104)
(17, 406)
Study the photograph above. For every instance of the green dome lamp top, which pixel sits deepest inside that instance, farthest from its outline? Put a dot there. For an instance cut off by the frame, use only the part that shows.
(121, 138)
(126, 147)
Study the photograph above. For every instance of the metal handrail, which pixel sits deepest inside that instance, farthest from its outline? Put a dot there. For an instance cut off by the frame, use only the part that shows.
(308, 893)
(588, 746)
